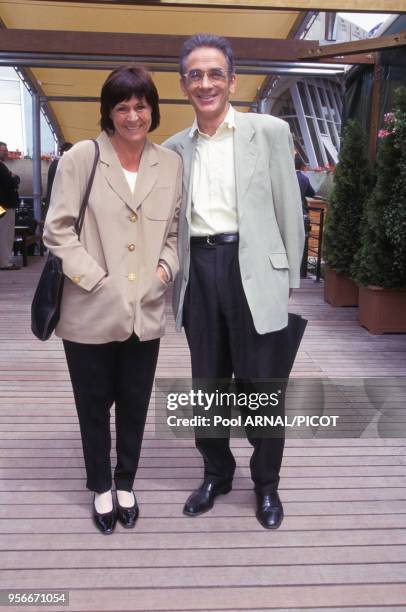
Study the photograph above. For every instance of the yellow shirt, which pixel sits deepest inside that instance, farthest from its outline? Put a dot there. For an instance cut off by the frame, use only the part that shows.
(214, 201)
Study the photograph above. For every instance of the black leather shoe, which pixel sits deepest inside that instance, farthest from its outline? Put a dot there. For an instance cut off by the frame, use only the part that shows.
(269, 510)
(202, 499)
(105, 522)
(128, 516)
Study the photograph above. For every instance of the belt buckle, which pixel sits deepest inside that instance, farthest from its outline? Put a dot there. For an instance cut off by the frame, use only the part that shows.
(209, 240)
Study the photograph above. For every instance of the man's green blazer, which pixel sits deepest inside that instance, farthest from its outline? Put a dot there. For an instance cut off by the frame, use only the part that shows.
(270, 217)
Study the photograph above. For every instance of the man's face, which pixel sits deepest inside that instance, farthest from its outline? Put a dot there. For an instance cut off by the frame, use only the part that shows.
(3, 152)
(208, 94)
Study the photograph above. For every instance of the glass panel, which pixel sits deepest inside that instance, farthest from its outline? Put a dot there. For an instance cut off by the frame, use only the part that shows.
(322, 96)
(329, 98)
(317, 111)
(303, 97)
(315, 142)
(284, 107)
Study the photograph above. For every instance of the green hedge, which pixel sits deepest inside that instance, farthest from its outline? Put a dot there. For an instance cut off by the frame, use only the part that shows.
(352, 183)
(381, 258)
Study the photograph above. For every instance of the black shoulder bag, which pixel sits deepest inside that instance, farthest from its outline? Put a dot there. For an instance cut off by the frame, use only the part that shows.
(45, 307)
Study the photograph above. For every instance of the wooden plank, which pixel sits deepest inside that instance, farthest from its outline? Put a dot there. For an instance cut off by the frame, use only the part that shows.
(356, 46)
(113, 44)
(358, 445)
(234, 598)
(294, 556)
(226, 525)
(209, 577)
(33, 448)
(178, 496)
(136, 540)
(173, 510)
(296, 475)
(368, 6)
(186, 484)
(305, 464)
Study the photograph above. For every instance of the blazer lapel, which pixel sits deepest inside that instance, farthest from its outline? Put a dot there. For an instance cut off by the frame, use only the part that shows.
(147, 175)
(112, 170)
(114, 175)
(187, 148)
(245, 156)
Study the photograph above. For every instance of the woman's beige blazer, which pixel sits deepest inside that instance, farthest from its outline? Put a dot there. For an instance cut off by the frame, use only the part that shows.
(124, 236)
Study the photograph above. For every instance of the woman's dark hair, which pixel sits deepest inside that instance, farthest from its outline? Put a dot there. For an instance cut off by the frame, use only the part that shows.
(206, 40)
(122, 84)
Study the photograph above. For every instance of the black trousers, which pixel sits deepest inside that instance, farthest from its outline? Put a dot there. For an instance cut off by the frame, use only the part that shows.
(223, 341)
(103, 374)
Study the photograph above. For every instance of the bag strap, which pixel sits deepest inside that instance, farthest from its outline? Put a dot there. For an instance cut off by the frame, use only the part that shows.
(83, 206)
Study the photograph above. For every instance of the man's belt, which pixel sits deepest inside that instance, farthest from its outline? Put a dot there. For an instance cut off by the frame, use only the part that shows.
(214, 239)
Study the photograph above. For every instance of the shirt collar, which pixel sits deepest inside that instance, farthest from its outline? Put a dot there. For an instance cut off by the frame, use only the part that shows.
(229, 122)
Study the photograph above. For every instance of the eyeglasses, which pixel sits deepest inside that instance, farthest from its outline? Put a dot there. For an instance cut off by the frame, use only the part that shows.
(215, 75)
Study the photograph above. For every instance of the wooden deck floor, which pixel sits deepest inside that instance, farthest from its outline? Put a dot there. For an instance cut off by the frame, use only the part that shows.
(342, 545)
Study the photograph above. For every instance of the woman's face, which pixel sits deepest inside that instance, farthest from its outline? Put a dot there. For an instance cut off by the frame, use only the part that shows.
(131, 119)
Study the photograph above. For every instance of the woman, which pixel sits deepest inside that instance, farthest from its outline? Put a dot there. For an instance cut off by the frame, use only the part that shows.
(112, 312)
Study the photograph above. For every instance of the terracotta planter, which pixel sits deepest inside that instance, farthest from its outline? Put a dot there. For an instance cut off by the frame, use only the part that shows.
(339, 288)
(382, 310)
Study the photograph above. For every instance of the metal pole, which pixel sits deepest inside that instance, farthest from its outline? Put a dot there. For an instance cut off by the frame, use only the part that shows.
(321, 227)
(36, 155)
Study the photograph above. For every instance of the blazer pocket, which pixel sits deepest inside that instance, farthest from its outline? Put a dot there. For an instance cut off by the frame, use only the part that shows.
(158, 207)
(279, 261)
(102, 285)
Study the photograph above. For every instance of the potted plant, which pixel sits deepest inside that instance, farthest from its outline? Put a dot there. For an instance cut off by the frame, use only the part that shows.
(380, 263)
(341, 238)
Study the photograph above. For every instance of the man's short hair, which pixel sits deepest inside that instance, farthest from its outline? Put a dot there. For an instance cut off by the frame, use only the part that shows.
(206, 40)
(299, 163)
(121, 85)
(3, 144)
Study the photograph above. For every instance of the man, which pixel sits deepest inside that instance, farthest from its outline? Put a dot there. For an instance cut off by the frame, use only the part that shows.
(306, 191)
(240, 245)
(9, 201)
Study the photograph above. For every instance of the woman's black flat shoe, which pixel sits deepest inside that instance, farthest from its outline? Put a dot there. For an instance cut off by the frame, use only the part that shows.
(105, 522)
(128, 516)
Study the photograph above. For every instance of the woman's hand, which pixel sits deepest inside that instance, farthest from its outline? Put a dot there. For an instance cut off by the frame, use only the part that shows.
(162, 273)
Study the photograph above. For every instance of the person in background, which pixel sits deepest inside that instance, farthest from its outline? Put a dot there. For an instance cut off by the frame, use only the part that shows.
(51, 173)
(306, 191)
(116, 277)
(9, 201)
(240, 244)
